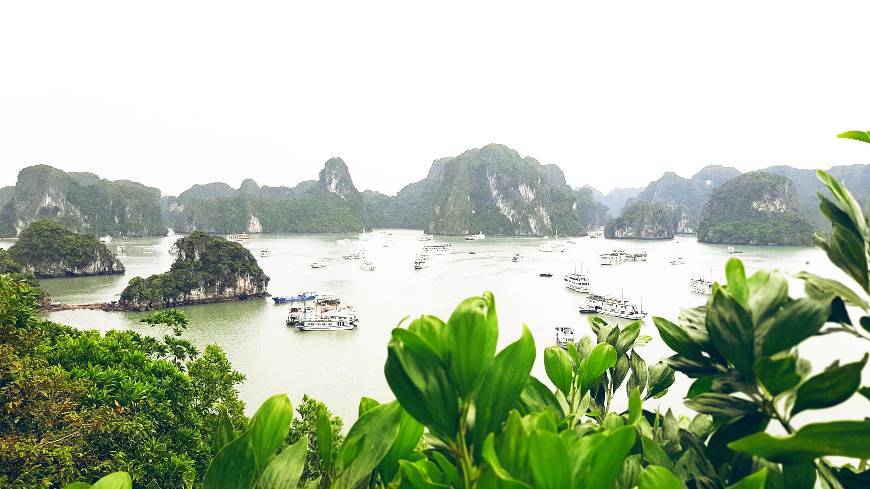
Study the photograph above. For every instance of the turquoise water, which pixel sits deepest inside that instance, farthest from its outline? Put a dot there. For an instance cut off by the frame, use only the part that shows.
(340, 367)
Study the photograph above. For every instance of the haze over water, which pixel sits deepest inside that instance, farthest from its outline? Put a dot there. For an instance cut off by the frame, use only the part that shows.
(339, 367)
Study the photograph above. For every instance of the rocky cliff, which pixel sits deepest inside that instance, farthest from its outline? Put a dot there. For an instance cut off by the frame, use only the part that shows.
(47, 249)
(755, 208)
(330, 204)
(82, 202)
(208, 269)
(643, 220)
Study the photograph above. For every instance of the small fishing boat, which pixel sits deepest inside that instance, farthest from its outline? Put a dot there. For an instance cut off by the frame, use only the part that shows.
(517, 256)
(732, 251)
(368, 266)
(678, 261)
(318, 264)
(355, 255)
(105, 239)
(300, 297)
(701, 286)
(265, 252)
(545, 274)
(565, 335)
(242, 237)
(421, 262)
(475, 237)
(121, 248)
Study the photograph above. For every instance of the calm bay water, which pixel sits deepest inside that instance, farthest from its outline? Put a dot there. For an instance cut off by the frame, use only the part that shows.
(340, 367)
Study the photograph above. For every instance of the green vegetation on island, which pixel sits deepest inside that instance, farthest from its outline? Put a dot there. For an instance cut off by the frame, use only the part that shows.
(82, 202)
(756, 208)
(46, 249)
(644, 220)
(208, 269)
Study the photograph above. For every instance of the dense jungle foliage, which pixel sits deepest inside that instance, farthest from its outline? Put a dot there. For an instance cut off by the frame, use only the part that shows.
(46, 249)
(205, 263)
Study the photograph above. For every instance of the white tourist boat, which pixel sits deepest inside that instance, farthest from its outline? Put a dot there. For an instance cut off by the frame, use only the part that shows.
(598, 233)
(368, 266)
(701, 285)
(475, 237)
(425, 237)
(552, 248)
(678, 261)
(318, 264)
(612, 306)
(639, 255)
(341, 319)
(565, 335)
(732, 250)
(436, 249)
(614, 257)
(578, 282)
(265, 252)
(357, 254)
(232, 237)
(105, 239)
(421, 261)
(121, 248)
(342, 241)
(243, 237)
(517, 257)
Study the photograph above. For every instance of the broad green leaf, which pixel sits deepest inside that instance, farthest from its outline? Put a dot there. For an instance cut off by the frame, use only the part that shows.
(432, 330)
(410, 432)
(701, 385)
(754, 481)
(537, 397)
(268, 428)
(224, 431)
(325, 437)
(722, 405)
(799, 476)
(285, 470)
(234, 467)
(365, 404)
(491, 457)
(778, 374)
(115, 480)
(836, 438)
(551, 468)
(639, 373)
(605, 463)
(677, 338)
(863, 136)
(619, 371)
(731, 331)
(654, 454)
(830, 387)
(627, 337)
(635, 407)
(472, 333)
(795, 322)
(559, 368)
(658, 477)
(738, 288)
(603, 357)
(415, 475)
(661, 377)
(767, 293)
(378, 429)
(503, 383)
(865, 391)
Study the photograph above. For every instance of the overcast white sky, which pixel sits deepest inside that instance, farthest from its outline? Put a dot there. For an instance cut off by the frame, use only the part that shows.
(176, 93)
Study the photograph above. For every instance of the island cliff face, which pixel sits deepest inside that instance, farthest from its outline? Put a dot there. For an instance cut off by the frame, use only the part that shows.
(643, 220)
(47, 250)
(756, 208)
(82, 202)
(208, 269)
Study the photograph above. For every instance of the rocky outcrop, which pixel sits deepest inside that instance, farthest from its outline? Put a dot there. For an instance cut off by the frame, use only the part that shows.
(208, 269)
(756, 208)
(46, 249)
(643, 220)
(82, 202)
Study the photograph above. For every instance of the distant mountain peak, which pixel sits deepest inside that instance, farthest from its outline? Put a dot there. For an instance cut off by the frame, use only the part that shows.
(249, 186)
(335, 178)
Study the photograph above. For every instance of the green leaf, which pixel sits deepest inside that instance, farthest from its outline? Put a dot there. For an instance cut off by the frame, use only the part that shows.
(863, 136)
(77, 485)
(836, 438)
(285, 470)
(754, 481)
(677, 338)
(830, 387)
(738, 288)
(224, 431)
(603, 357)
(722, 405)
(323, 431)
(865, 391)
(767, 293)
(502, 386)
(551, 468)
(605, 462)
(731, 331)
(365, 404)
(800, 476)
(234, 467)
(472, 333)
(778, 374)
(795, 322)
(416, 475)
(268, 428)
(639, 373)
(378, 429)
(658, 477)
(410, 432)
(816, 286)
(115, 480)
(654, 454)
(627, 336)
(661, 377)
(559, 368)
(635, 407)
(701, 385)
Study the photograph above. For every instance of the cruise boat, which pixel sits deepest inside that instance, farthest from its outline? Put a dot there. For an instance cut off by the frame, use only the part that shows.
(242, 237)
(121, 248)
(598, 233)
(425, 237)
(612, 306)
(565, 335)
(232, 237)
(421, 262)
(265, 252)
(678, 261)
(368, 266)
(577, 282)
(341, 319)
(301, 297)
(105, 239)
(436, 249)
(636, 256)
(355, 255)
(614, 257)
(318, 264)
(475, 237)
(552, 248)
(517, 256)
(701, 285)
